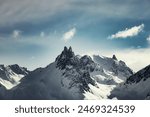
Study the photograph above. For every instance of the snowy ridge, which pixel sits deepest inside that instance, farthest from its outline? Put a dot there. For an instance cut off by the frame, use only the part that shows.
(72, 76)
(11, 75)
(44, 83)
(119, 68)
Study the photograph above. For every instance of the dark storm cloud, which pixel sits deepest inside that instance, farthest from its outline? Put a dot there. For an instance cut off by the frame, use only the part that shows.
(16, 11)
(116, 8)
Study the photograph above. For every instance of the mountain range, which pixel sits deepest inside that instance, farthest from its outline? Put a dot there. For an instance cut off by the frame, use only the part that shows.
(75, 77)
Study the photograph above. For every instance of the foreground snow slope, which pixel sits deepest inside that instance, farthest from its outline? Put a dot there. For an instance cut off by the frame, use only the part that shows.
(45, 83)
(137, 86)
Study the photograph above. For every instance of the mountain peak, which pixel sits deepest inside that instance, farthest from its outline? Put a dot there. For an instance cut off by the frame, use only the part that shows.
(70, 49)
(66, 53)
(14, 66)
(114, 57)
(2, 66)
(86, 60)
(18, 70)
(65, 57)
(65, 49)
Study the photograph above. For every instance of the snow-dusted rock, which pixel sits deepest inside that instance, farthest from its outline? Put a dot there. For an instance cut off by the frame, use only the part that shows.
(11, 75)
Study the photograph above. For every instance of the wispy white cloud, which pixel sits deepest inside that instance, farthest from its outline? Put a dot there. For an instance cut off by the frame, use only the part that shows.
(148, 39)
(134, 31)
(69, 35)
(16, 34)
(42, 34)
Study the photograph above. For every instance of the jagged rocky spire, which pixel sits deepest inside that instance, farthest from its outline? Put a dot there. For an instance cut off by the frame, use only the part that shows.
(65, 49)
(77, 67)
(66, 53)
(70, 49)
(114, 57)
(65, 58)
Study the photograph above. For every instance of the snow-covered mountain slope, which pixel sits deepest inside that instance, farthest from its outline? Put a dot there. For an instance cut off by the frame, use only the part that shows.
(44, 83)
(10, 75)
(62, 79)
(118, 68)
(137, 86)
(71, 77)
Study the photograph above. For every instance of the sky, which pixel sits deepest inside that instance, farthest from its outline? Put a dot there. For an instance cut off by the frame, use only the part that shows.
(34, 32)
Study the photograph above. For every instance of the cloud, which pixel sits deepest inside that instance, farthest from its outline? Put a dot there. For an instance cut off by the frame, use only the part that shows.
(37, 10)
(134, 31)
(135, 58)
(16, 34)
(45, 13)
(42, 34)
(116, 9)
(29, 11)
(69, 35)
(148, 39)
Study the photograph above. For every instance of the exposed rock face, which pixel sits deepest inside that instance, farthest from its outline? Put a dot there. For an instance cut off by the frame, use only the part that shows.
(19, 70)
(11, 75)
(143, 74)
(119, 68)
(67, 57)
(136, 87)
(114, 57)
(76, 68)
